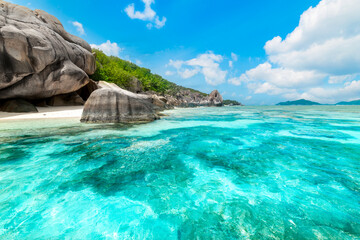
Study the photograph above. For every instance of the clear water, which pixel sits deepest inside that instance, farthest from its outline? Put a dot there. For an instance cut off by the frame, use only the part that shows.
(207, 173)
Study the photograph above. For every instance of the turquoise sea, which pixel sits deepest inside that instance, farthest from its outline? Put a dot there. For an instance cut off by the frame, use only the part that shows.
(202, 173)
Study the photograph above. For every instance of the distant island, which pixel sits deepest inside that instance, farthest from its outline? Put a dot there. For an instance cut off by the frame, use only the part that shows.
(355, 102)
(305, 102)
(298, 102)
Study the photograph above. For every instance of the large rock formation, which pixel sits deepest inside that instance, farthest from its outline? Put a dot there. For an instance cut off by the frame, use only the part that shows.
(38, 58)
(112, 104)
(187, 98)
(17, 105)
(159, 102)
(70, 99)
(215, 99)
(135, 86)
(108, 105)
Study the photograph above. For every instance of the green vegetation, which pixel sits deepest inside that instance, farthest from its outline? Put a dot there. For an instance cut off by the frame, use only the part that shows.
(122, 73)
(298, 102)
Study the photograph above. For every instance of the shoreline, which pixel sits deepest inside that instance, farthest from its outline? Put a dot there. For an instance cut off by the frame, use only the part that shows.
(75, 112)
(63, 112)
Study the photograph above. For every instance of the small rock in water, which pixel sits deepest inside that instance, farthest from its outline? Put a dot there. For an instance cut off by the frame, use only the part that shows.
(118, 106)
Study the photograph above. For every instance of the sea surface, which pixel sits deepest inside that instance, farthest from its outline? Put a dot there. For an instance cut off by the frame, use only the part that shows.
(203, 173)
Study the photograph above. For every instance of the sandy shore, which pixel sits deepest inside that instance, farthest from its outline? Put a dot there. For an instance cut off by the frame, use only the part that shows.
(45, 113)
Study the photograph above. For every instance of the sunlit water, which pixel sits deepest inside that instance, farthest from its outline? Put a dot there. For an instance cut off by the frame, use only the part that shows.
(207, 173)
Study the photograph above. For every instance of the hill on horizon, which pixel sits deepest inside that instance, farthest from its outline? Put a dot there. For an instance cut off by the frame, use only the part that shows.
(298, 102)
(355, 102)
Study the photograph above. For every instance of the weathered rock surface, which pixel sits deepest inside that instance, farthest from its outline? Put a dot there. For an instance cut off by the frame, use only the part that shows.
(159, 101)
(187, 98)
(17, 105)
(215, 99)
(108, 105)
(108, 85)
(38, 58)
(70, 99)
(135, 86)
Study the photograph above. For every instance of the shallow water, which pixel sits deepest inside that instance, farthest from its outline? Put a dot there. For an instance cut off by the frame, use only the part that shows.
(206, 173)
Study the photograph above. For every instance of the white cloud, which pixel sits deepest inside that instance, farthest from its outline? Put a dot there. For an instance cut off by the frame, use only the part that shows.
(169, 73)
(138, 62)
(79, 27)
(188, 73)
(323, 49)
(350, 91)
(269, 89)
(234, 57)
(147, 15)
(207, 64)
(149, 25)
(160, 23)
(336, 56)
(108, 48)
(176, 63)
(327, 40)
(341, 79)
(237, 81)
(283, 77)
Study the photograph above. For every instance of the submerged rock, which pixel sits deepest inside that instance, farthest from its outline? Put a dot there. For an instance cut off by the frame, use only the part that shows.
(17, 105)
(38, 58)
(117, 106)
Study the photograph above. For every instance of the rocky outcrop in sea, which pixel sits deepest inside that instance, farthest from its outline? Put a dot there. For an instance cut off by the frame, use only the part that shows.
(111, 103)
(108, 105)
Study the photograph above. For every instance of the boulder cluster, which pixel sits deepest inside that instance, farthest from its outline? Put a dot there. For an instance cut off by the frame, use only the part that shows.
(111, 103)
(43, 65)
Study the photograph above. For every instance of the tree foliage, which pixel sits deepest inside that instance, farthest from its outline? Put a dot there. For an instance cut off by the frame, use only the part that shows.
(121, 72)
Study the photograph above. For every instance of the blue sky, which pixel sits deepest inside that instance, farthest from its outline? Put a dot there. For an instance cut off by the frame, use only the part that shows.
(254, 51)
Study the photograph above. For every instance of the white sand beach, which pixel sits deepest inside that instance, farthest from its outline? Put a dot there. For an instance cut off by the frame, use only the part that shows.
(45, 113)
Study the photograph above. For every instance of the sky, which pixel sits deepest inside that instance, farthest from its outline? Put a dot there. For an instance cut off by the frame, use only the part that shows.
(258, 52)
